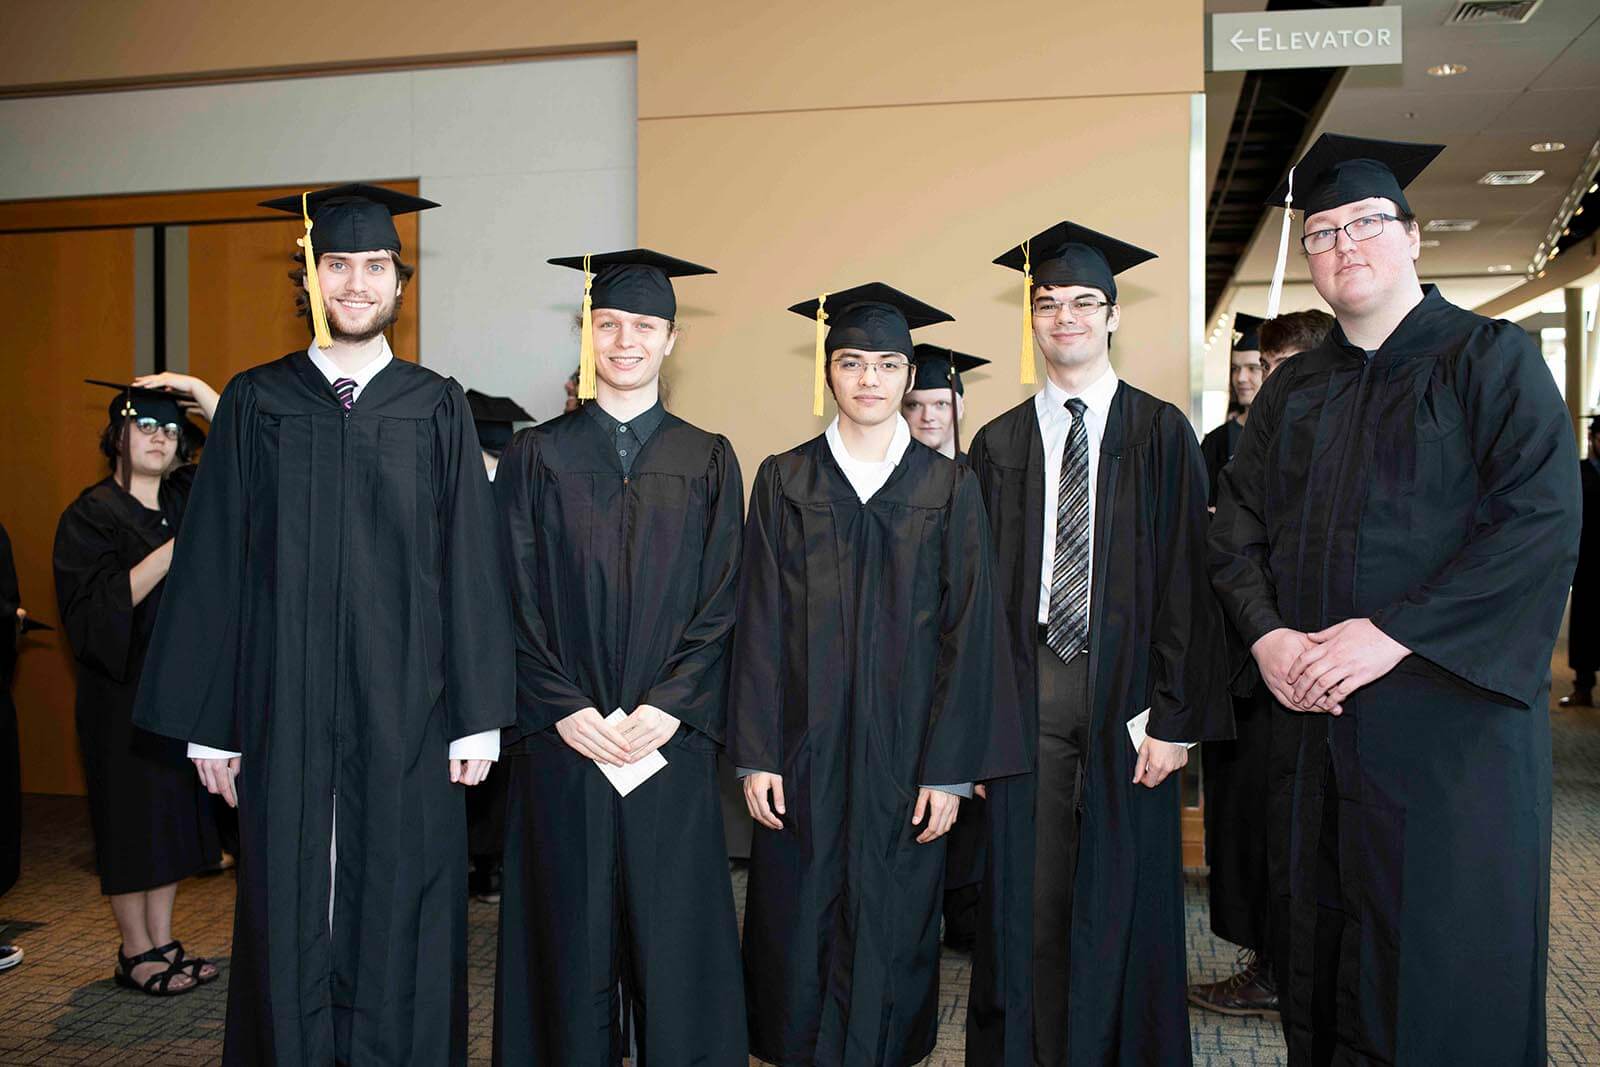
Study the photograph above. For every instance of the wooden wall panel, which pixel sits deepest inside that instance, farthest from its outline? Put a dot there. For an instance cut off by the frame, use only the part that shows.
(66, 300)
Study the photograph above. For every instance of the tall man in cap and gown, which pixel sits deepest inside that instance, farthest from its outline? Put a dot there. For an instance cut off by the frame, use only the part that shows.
(1096, 494)
(934, 407)
(332, 647)
(1394, 541)
(863, 702)
(1583, 627)
(624, 525)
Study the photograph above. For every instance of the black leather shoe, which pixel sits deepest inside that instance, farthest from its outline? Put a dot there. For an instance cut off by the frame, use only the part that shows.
(1248, 991)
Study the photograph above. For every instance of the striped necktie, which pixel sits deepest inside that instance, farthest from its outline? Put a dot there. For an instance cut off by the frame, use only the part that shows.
(1068, 631)
(345, 388)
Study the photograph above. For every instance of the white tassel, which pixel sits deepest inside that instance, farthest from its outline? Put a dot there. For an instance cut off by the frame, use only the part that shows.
(1275, 294)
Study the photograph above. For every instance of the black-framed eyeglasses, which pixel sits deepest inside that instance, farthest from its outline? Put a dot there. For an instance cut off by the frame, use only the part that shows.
(1363, 229)
(1082, 307)
(150, 427)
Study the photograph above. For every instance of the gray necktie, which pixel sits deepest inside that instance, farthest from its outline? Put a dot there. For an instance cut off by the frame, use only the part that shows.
(1068, 631)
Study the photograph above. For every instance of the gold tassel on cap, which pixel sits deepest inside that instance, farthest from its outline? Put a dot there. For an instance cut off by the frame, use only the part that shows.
(586, 345)
(1028, 377)
(319, 314)
(819, 384)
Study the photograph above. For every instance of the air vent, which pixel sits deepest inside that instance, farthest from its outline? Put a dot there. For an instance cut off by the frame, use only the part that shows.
(1511, 177)
(1450, 225)
(1492, 12)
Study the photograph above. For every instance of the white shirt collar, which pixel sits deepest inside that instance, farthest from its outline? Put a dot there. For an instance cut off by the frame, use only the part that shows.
(1096, 396)
(330, 370)
(865, 476)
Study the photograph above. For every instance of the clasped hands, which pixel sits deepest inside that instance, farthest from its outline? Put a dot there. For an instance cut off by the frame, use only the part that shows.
(1317, 672)
(587, 733)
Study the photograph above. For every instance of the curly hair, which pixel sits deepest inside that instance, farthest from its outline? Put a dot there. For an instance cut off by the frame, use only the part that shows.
(302, 300)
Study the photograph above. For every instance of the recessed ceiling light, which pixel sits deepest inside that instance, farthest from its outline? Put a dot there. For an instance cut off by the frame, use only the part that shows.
(1511, 177)
(1548, 146)
(1431, 243)
(1500, 268)
(1450, 225)
(1446, 70)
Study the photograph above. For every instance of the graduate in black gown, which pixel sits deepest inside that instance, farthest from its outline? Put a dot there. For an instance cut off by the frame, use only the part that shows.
(153, 824)
(1245, 373)
(335, 648)
(495, 418)
(863, 705)
(1394, 541)
(933, 408)
(1234, 773)
(624, 528)
(12, 618)
(1583, 628)
(1096, 494)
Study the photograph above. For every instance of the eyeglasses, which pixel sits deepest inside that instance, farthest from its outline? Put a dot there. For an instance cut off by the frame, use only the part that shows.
(150, 427)
(1363, 229)
(855, 368)
(1082, 307)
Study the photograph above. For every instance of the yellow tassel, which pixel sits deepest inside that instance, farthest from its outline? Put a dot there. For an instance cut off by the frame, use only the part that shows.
(319, 314)
(1027, 316)
(586, 345)
(819, 383)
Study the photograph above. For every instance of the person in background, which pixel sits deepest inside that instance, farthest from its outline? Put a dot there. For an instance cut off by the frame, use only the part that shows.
(1245, 373)
(13, 613)
(1583, 627)
(1234, 775)
(936, 402)
(152, 821)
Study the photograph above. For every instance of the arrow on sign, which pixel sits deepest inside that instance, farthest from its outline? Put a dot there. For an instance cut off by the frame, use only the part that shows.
(1239, 36)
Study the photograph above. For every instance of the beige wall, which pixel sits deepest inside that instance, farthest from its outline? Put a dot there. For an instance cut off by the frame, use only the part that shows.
(794, 147)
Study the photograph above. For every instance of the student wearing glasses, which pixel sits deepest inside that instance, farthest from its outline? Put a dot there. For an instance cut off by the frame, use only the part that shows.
(863, 704)
(152, 819)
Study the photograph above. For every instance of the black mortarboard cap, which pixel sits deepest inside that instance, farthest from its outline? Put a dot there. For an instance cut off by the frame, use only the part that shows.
(1069, 254)
(135, 402)
(941, 368)
(1247, 332)
(494, 417)
(1339, 170)
(870, 318)
(637, 281)
(354, 217)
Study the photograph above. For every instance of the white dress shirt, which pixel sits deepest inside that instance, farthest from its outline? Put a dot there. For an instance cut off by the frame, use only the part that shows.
(1054, 421)
(485, 745)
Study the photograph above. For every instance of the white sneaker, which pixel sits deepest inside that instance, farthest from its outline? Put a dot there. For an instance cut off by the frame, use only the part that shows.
(10, 956)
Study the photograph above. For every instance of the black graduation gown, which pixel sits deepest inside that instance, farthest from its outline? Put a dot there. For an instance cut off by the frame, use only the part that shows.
(336, 612)
(1155, 642)
(1217, 448)
(624, 587)
(153, 822)
(1432, 489)
(863, 669)
(1583, 628)
(10, 753)
(965, 851)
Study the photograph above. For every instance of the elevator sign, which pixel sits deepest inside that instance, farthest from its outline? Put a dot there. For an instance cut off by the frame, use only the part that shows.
(1328, 37)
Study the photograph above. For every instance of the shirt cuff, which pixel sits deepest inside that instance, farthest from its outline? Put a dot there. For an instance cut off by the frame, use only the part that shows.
(199, 751)
(1185, 744)
(477, 746)
(962, 789)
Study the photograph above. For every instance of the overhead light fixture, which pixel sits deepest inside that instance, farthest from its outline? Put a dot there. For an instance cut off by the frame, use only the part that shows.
(1447, 70)
(1548, 146)
(1431, 243)
(1499, 268)
(1511, 177)
(1595, 188)
(1450, 225)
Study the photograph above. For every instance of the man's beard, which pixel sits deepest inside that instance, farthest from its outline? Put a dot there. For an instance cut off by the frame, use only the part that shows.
(380, 323)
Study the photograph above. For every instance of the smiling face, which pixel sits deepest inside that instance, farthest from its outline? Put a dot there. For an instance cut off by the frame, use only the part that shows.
(931, 417)
(1245, 372)
(866, 393)
(1071, 338)
(1356, 277)
(629, 349)
(361, 293)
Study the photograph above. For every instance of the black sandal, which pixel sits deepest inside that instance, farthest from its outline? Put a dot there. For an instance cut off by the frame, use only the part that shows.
(190, 965)
(158, 984)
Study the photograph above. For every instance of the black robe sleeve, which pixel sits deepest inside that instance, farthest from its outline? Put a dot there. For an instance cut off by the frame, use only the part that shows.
(1187, 697)
(695, 676)
(755, 730)
(183, 694)
(545, 693)
(478, 643)
(93, 589)
(1479, 616)
(972, 735)
(1238, 532)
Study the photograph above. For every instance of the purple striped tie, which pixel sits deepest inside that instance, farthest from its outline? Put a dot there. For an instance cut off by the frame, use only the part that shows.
(346, 389)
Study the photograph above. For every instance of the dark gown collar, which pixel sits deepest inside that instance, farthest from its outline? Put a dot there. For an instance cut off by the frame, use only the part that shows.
(1416, 326)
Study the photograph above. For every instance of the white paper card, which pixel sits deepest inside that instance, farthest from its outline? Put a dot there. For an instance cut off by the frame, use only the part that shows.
(1137, 727)
(626, 778)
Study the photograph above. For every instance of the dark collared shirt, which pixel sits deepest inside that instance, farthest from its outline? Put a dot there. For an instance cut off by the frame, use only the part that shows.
(628, 437)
